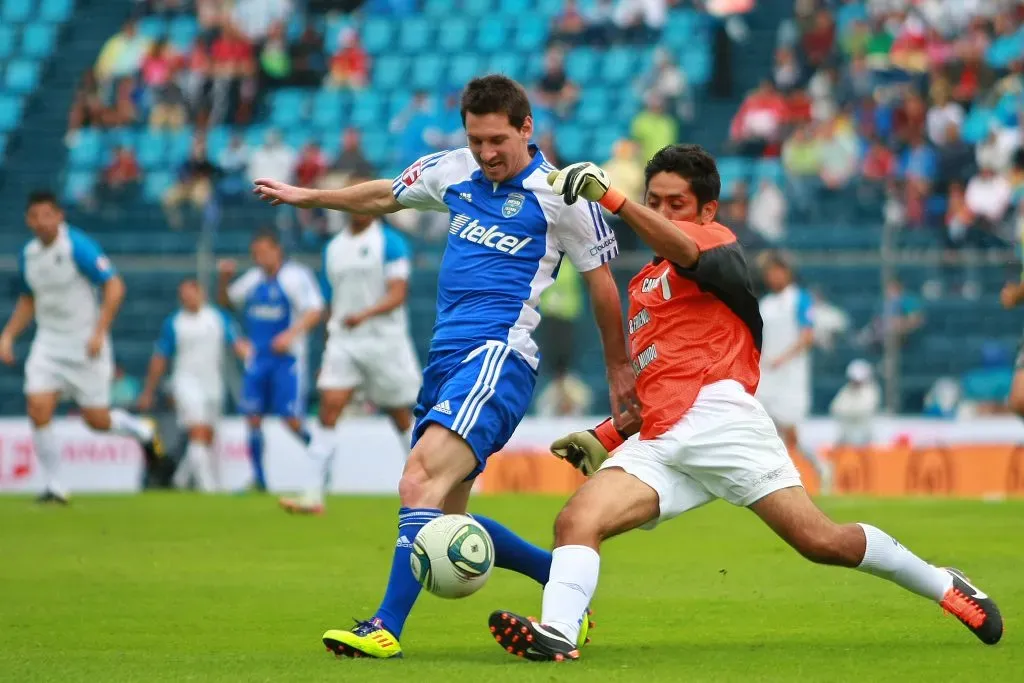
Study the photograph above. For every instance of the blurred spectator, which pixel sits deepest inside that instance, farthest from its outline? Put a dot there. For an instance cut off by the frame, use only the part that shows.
(955, 160)
(943, 116)
(119, 183)
(562, 304)
(255, 19)
(822, 88)
(943, 398)
(194, 185)
(170, 107)
(158, 65)
(554, 89)
(786, 73)
(350, 66)
(233, 163)
(901, 316)
(309, 63)
(444, 131)
(817, 42)
(351, 161)
(122, 54)
(652, 128)
(854, 41)
(758, 123)
(310, 169)
(124, 390)
(856, 83)
(829, 322)
(273, 159)
(566, 395)
(879, 45)
(626, 169)
(124, 112)
(997, 149)
(987, 386)
(196, 76)
(768, 211)
(641, 21)
(213, 13)
(838, 154)
(87, 107)
(275, 60)
(801, 160)
(666, 80)
(568, 26)
(734, 208)
(410, 126)
(856, 405)
(879, 163)
(233, 68)
(909, 118)
(988, 197)
(546, 145)
(599, 18)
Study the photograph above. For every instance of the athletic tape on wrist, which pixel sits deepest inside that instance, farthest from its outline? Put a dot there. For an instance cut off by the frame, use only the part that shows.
(609, 436)
(613, 200)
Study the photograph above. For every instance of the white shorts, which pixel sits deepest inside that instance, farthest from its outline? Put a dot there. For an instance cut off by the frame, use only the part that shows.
(86, 382)
(386, 369)
(788, 406)
(198, 404)
(725, 447)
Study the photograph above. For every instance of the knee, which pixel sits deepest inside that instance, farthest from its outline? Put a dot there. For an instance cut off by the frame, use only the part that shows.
(416, 485)
(39, 415)
(96, 422)
(832, 545)
(574, 527)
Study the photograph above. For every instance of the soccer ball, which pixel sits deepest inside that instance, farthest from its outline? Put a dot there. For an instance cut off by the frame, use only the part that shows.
(452, 556)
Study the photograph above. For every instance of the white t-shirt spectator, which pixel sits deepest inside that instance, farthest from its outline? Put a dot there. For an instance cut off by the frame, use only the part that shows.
(273, 161)
(768, 212)
(939, 118)
(989, 197)
(254, 18)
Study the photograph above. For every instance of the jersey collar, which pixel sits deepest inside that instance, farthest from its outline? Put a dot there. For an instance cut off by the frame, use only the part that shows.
(517, 180)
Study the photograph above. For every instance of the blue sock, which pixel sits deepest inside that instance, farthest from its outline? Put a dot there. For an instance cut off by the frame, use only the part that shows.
(513, 552)
(403, 588)
(256, 456)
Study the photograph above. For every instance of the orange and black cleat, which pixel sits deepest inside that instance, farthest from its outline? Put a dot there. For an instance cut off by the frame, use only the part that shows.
(973, 608)
(525, 638)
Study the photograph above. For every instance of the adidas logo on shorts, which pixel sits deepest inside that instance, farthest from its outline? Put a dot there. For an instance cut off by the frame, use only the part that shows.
(444, 407)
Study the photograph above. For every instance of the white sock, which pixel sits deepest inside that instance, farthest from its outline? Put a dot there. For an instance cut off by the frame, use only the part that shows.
(886, 558)
(570, 588)
(183, 473)
(124, 423)
(321, 454)
(198, 454)
(48, 455)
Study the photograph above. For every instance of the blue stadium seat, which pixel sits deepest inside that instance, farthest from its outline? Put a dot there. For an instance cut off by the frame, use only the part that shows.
(8, 41)
(38, 40)
(696, 63)
(455, 35)
(151, 150)
(332, 31)
(397, 102)
(329, 108)
(769, 169)
(620, 66)
(680, 28)
(86, 153)
(580, 65)
(22, 76)
(517, 9)
(376, 35)
(78, 185)
(478, 8)
(217, 139)
(10, 112)
(490, 35)
(463, 68)
(976, 126)
(377, 147)
(182, 32)
(116, 137)
(441, 9)
(288, 107)
(389, 71)
(179, 144)
(3, 145)
(330, 144)
(414, 35)
(153, 27)
(56, 11)
(570, 143)
(155, 185)
(17, 11)
(594, 106)
(427, 72)
(507, 63)
(531, 36)
(367, 110)
(254, 135)
(604, 138)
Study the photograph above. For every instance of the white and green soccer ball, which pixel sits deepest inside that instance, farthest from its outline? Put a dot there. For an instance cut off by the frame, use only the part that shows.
(452, 556)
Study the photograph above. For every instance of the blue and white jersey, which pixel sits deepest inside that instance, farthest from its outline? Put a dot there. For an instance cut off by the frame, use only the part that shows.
(505, 243)
(786, 314)
(357, 269)
(270, 305)
(196, 342)
(62, 278)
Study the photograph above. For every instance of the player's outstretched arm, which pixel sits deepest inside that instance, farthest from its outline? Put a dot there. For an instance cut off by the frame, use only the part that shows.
(394, 296)
(660, 234)
(113, 297)
(587, 450)
(22, 315)
(374, 197)
(157, 367)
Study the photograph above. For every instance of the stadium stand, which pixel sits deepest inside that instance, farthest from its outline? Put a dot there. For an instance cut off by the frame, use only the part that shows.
(819, 161)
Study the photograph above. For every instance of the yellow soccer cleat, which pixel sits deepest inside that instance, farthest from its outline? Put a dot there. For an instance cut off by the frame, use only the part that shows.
(367, 639)
(585, 625)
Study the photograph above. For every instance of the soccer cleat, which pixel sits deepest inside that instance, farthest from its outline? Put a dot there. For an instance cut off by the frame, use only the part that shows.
(49, 497)
(367, 639)
(585, 625)
(159, 469)
(973, 608)
(526, 638)
(298, 506)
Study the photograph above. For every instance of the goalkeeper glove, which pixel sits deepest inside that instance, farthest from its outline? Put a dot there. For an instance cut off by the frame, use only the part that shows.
(588, 181)
(586, 451)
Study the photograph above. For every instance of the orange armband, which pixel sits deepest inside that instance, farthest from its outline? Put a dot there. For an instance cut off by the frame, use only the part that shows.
(613, 200)
(609, 436)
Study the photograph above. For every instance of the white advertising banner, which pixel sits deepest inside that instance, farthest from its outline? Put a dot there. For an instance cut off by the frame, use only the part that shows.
(370, 456)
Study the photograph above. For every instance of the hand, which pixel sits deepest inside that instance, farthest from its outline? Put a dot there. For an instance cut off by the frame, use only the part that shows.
(1008, 296)
(243, 349)
(624, 401)
(580, 180)
(276, 192)
(227, 267)
(6, 349)
(283, 341)
(145, 403)
(582, 450)
(95, 344)
(354, 320)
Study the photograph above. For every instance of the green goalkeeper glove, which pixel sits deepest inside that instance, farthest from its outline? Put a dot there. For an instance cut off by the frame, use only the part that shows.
(588, 181)
(587, 451)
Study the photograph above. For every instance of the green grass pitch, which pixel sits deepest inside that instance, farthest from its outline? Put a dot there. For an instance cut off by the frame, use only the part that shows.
(167, 587)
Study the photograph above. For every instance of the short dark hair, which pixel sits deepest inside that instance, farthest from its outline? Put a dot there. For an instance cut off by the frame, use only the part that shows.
(774, 258)
(496, 94)
(691, 162)
(42, 197)
(268, 234)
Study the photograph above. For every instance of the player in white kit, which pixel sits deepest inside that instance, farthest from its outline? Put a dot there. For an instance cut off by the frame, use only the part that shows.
(61, 270)
(785, 388)
(366, 268)
(195, 336)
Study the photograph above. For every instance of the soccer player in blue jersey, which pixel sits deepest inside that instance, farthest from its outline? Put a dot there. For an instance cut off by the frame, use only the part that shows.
(280, 303)
(508, 234)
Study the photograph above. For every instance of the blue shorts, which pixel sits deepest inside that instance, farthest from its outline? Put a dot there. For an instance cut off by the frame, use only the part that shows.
(272, 385)
(481, 396)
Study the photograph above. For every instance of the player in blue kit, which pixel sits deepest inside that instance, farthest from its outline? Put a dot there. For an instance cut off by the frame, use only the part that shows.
(508, 233)
(280, 303)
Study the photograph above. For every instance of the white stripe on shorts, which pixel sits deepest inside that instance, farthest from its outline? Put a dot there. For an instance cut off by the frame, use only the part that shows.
(486, 392)
(492, 352)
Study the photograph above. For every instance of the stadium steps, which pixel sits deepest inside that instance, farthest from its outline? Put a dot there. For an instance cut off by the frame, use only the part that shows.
(40, 156)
